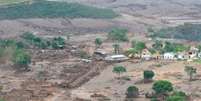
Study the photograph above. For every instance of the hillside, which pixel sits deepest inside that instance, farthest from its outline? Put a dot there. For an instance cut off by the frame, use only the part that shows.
(6, 2)
(189, 32)
(51, 9)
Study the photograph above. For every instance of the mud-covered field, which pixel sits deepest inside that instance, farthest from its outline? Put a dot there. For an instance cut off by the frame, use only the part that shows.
(60, 75)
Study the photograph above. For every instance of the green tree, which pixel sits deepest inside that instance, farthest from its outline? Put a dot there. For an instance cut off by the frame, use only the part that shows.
(179, 93)
(98, 42)
(118, 34)
(139, 46)
(119, 70)
(162, 87)
(190, 70)
(132, 92)
(148, 75)
(116, 48)
(58, 43)
(21, 58)
(158, 45)
(175, 98)
(28, 36)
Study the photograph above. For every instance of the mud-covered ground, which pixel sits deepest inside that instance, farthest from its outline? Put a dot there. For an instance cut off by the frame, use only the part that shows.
(55, 75)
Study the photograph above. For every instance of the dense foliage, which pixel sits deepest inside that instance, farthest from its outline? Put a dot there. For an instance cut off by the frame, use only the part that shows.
(148, 74)
(98, 42)
(118, 34)
(58, 43)
(138, 45)
(21, 58)
(177, 96)
(174, 47)
(119, 70)
(52, 9)
(38, 42)
(162, 87)
(168, 47)
(132, 92)
(11, 50)
(190, 32)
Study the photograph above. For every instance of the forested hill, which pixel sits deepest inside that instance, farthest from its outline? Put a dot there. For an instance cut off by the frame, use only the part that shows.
(53, 9)
(191, 32)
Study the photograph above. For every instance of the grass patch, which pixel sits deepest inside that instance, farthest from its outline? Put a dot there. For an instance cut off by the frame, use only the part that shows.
(53, 9)
(197, 61)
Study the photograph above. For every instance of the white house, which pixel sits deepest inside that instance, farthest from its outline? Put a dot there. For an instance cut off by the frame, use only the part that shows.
(181, 56)
(169, 56)
(193, 53)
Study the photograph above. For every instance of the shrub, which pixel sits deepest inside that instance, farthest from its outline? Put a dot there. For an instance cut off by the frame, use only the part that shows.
(21, 58)
(119, 70)
(139, 46)
(118, 34)
(148, 75)
(98, 42)
(179, 93)
(162, 87)
(58, 43)
(154, 99)
(175, 98)
(132, 92)
(38, 42)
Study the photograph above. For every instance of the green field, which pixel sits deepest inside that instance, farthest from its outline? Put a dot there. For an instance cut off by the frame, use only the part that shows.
(53, 9)
(5, 2)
